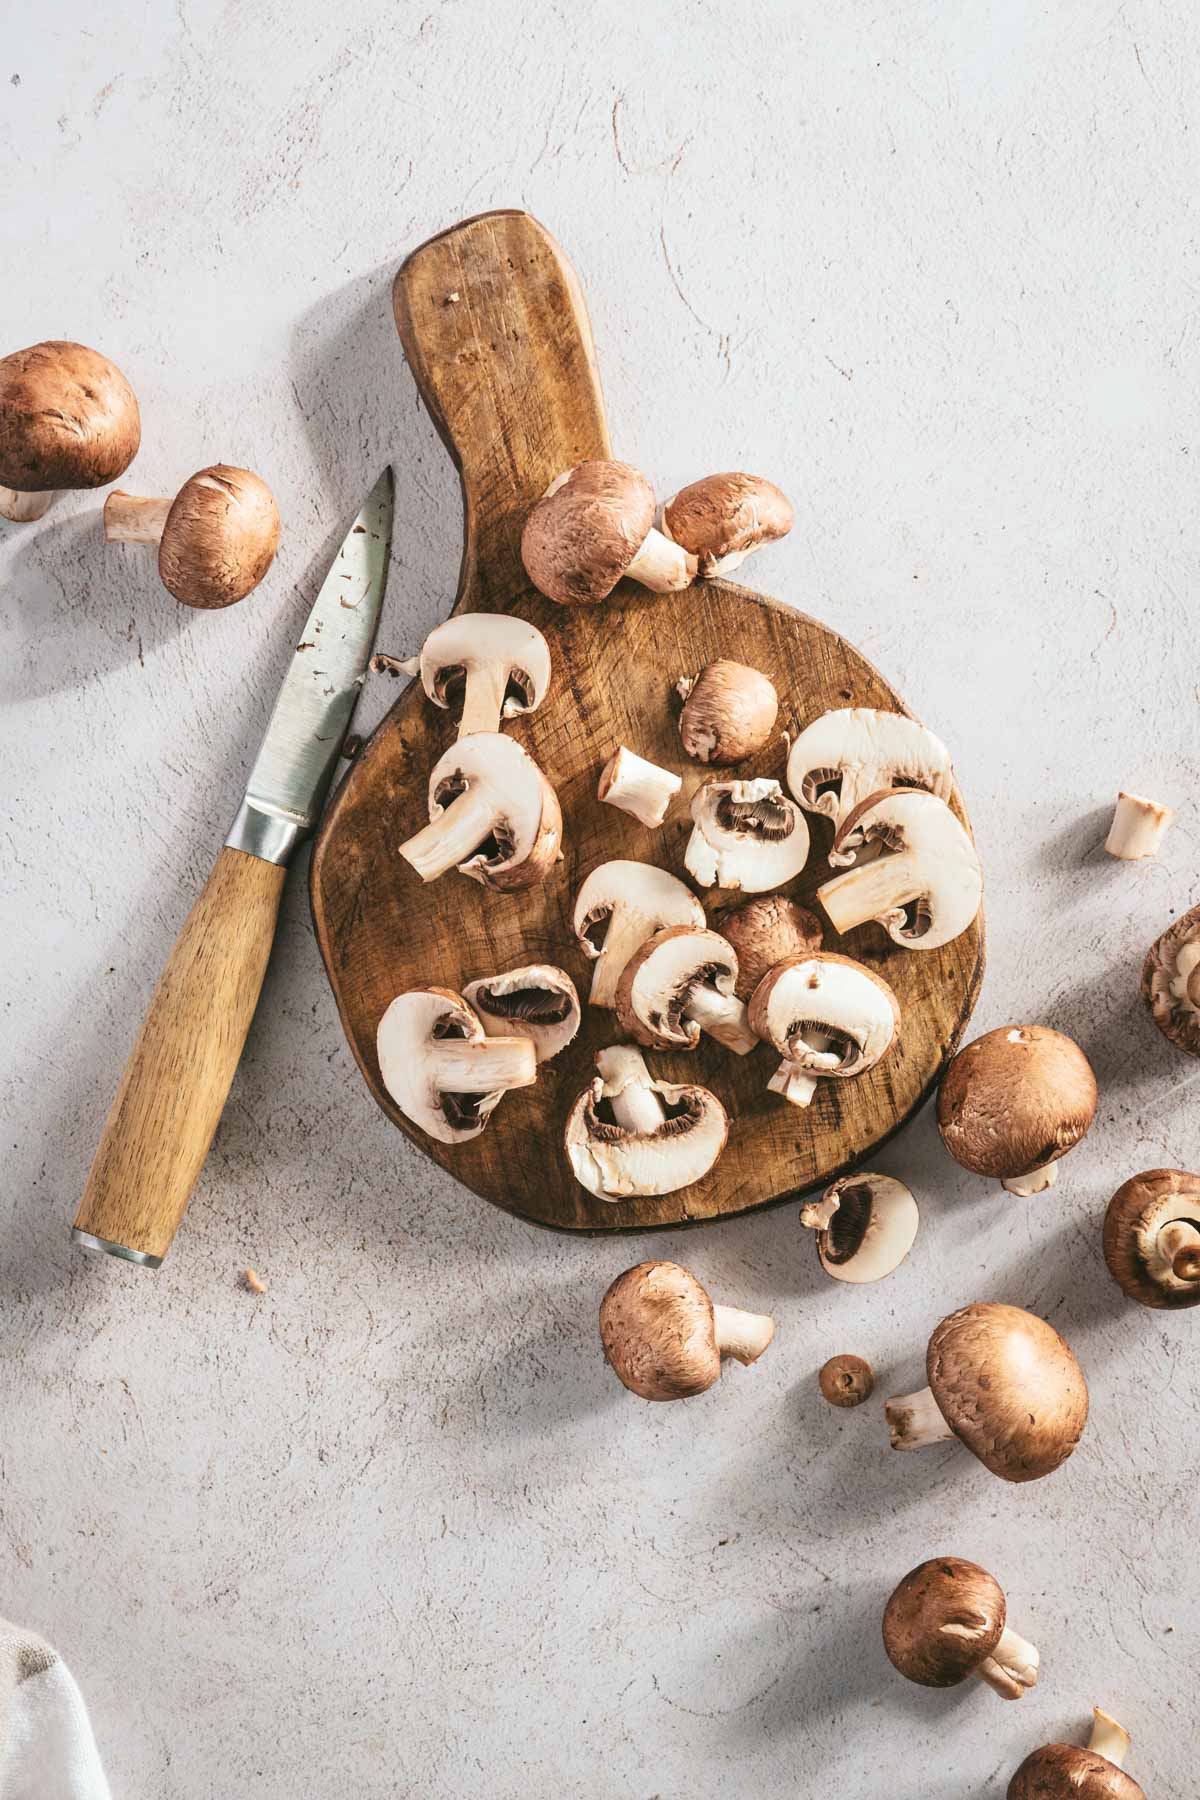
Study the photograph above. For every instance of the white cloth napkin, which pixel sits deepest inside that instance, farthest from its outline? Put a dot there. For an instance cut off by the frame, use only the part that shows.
(47, 1751)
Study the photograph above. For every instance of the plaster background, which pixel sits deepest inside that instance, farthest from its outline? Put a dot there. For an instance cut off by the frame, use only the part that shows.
(393, 1528)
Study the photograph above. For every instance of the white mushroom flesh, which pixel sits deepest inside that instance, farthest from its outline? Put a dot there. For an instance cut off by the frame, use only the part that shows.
(915, 1421)
(619, 906)
(747, 835)
(488, 809)
(914, 870)
(1138, 827)
(866, 1225)
(826, 1017)
(498, 663)
(659, 1138)
(440, 1068)
(538, 1002)
(638, 787)
(844, 757)
(682, 986)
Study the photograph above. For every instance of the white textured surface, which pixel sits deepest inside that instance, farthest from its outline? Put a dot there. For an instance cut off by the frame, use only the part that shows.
(392, 1527)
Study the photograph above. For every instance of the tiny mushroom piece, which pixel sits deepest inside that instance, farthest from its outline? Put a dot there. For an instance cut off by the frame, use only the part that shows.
(497, 664)
(664, 1338)
(846, 1380)
(723, 519)
(745, 834)
(593, 525)
(1065, 1772)
(1152, 1237)
(631, 901)
(827, 1016)
(629, 1134)
(492, 813)
(68, 419)
(1004, 1383)
(865, 1224)
(764, 931)
(538, 1002)
(948, 1619)
(1171, 982)
(1015, 1100)
(638, 787)
(1138, 827)
(913, 869)
(441, 1069)
(679, 984)
(216, 539)
(848, 756)
(729, 712)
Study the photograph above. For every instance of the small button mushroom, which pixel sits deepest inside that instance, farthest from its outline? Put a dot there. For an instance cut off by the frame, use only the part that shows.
(629, 1134)
(440, 1068)
(492, 814)
(1138, 827)
(848, 756)
(729, 712)
(679, 984)
(745, 834)
(912, 869)
(1065, 1772)
(593, 525)
(947, 1620)
(537, 1001)
(828, 1017)
(1015, 1100)
(846, 1380)
(637, 787)
(1152, 1238)
(216, 539)
(619, 906)
(1005, 1384)
(495, 664)
(1171, 982)
(68, 419)
(723, 519)
(663, 1337)
(866, 1225)
(765, 931)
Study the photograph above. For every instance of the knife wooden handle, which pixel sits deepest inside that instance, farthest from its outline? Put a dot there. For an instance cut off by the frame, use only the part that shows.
(178, 1076)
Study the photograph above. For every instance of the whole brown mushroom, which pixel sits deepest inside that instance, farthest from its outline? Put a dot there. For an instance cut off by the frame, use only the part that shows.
(1152, 1237)
(729, 712)
(947, 1620)
(846, 1380)
(216, 539)
(594, 525)
(664, 1338)
(765, 931)
(723, 519)
(1014, 1101)
(1065, 1772)
(68, 419)
(1171, 982)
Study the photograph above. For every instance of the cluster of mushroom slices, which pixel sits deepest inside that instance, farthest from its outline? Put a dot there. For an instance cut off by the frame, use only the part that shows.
(679, 984)
(216, 539)
(745, 834)
(629, 1134)
(1013, 1102)
(1002, 1382)
(664, 1338)
(620, 906)
(442, 1069)
(1171, 982)
(1065, 1772)
(865, 1226)
(68, 419)
(1152, 1238)
(947, 1621)
(829, 1019)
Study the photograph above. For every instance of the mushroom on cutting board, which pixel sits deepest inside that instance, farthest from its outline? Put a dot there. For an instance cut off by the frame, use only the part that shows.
(947, 1620)
(495, 664)
(723, 519)
(1065, 1772)
(745, 834)
(594, 525)
(865, 1226)
(679, 984)
(441, 1069)
(629, 1134)
(1138, 827)
(619, 906)
(68, 419)
(828, 1017)
(637, 787)
(492, 814)
(216, 539)
(1152, 1238)
(912, 868)
(1171, 982)
(848, 756)
(846, 1380)
(664, 1338)
(537, 1001)
(729, 712)
(764, 931)
(1005, 1384)
(1015, 1100)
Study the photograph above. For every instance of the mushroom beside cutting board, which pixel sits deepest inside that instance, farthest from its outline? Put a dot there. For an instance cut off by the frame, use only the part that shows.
(68, 419)
(630, 1134)
(216, 539)
(1013, 1102)
(1065, 1772)
(865, 1226)
(1171, 982)
(948, 1620)
(1152, 1238)
(664, 1338)
(828, 1018)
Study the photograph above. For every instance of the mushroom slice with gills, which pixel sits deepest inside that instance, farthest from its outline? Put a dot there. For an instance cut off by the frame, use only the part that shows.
(1152, 1238)
(848, 756)
(1004, 1383)
(619, 906)
(723, 519)
(637, 787)
(948, 1621)
(492, 814)
(1015, 1100)
(679, 984)
(1066, 1772)
(664, 1339)
(1171, 982)
(495, 664)
(216, 539)
(68, 419)
(745, 834)
(441, 1069)
(913, 870)
(828, 1017)
(764, 931)
(865, 1224)
(729, 712)
(538, 1002)
(629, 1134)
(593, 525)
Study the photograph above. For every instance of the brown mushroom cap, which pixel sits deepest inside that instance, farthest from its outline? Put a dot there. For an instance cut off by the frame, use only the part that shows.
(766, 931)
(68, 419)
(943, 1620)
(1008, 1385)
(1136, 1214)
(727, 515)
(846, 1380)
(583, 534)
(220, 537)
(729, 712)
(658, 1332)
(1065, 1772)
(1015, 1099)
(1171, 987)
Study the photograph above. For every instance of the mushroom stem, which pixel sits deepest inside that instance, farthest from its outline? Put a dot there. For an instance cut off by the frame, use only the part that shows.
(795, 1083)
(480, 1066)
(1036, 1182)
(1137, 828)
(722, 1016)
(1012, 1668)
(23, 509)
(661, 565)
(483, 698)
(1108, 1738)
(1179, 1244)
(635, 1105)
(638, 787)
(627, 931)
(871, 891)
(452, 837)
(133, 519)
(744, 1335)
(915, 1421)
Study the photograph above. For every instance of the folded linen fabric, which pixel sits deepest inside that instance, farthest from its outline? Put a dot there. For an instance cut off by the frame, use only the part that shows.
(47, 1751)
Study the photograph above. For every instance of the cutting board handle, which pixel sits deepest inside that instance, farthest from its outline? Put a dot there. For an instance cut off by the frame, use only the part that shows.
(496, 332)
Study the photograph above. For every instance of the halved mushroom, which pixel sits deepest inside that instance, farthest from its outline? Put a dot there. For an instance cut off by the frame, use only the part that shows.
(1171, 982)
(745, 834)
(1065, 1772)
(865, 1224)
(216, 539)
(1138, 827)
(848, 756)
(538, 1002)
(441, 1069)
(846, 1380)
(729, 712)
(629, 1134)
(827, 1016)
(723, 519)
(638, 787)
(679, 984)
(593, 525)
(68, 419)
(947, 1620)
(494, 663)
(664, 1338)
(1152, 1237)
(492, 813)
(913, 870)
(766, 931)
(1015, 1100)
(619, 906)
(1005, 1384)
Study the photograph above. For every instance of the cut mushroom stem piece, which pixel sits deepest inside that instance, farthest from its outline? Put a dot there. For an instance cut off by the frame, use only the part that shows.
(493, 815)
(828, 1017)
(630, 1134)
(216, 539)
(637, 787)
(1107, 1738)
(664, 1338)
(1138, 827)
(846, 757)
(914, 870)
(680, 983)
(441, 1070)
(745, 834)
(626, 902)
(537, 1001)
(865, 1224)
(496, 664)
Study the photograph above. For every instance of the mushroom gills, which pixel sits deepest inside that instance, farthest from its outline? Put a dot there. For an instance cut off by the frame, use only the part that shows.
(487, 695)
(767, 818)
(914, 870)
(531, 1005)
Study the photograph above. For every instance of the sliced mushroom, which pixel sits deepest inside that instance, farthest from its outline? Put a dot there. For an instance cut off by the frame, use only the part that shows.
(664, 1338)
(216, 539)
(1138, 827)
(492, 814)
(865, 1224)
(729, 712)
(1015, 1100)
(593, 525)
(766, 931)
(947, 1620)
(441, 1069)
(723, 519)
(538, 1002)
(849, 756)
(1152, 1237)
(1065, 1772)
(745, 834)
(68, 419)
(679, 984)
(1171, 982)
(494, 663)
(619, 906)
(629, 1134)
(827, 1016)
(638, 787)
(846, 1380)
(913, 870)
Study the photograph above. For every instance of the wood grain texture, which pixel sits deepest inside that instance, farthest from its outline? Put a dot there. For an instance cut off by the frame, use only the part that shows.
(178, 1076)
(508, 370)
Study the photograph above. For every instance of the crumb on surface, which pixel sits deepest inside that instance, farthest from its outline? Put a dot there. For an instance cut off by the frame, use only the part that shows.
(254, 1281)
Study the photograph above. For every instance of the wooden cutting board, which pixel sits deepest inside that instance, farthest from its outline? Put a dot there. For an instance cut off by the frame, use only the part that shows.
(496, 332)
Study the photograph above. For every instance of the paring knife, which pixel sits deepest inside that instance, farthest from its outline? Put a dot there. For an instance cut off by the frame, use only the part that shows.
(178, 1076)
